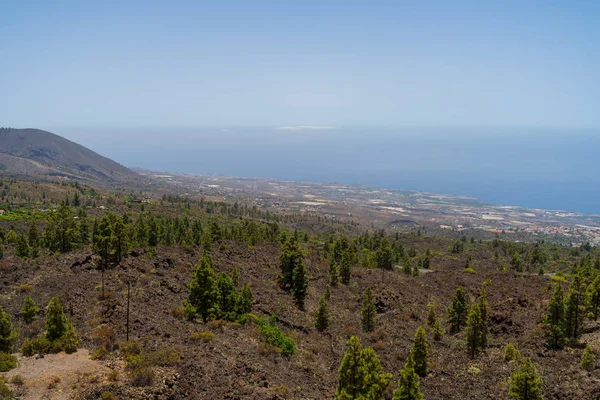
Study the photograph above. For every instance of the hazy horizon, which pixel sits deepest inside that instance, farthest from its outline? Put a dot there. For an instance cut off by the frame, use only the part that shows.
(530, 167)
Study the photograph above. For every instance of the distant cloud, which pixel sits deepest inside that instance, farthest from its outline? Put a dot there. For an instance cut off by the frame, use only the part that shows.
(301, 128)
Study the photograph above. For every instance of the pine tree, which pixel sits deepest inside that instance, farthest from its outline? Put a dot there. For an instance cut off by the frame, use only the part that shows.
(593, 292)
(408, 383)
(406, 265)
(431, 314)
(245, 301)
(383, 256)
(30, 311)
(420, 352)
(56, 321)
(300, 284)
(516, 262)
(33, 235)
(8, 333)
(360, 374)
(333, 273)
(475, 333)
(457, 313)
(345, 269)
(554, 322)
(575, 308)
(204, 292)
(291, 256)
(368, 311)
(484, 311)
(322, 316)
(120, 239)
(438, 331)
(228, 299)
(588, 359)
(524, 382)
(327, 292)
(22, 249)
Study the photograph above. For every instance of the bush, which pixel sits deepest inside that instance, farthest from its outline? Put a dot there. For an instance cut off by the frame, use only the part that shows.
(36, 345)
(130, 349)
(143, 376)
(588, 359)
(164, 358)
(204, 336)
(511, 353)
(107, 396)
(469, 270)
(17, 380)
(274, 336)
(5, 392)
(7, 362)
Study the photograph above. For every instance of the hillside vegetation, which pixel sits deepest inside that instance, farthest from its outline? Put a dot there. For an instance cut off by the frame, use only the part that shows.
(222, 300)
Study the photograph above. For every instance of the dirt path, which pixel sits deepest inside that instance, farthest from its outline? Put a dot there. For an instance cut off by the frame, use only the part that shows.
(56, 376)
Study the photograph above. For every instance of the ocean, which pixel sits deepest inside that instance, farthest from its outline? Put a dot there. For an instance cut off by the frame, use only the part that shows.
(547, 168)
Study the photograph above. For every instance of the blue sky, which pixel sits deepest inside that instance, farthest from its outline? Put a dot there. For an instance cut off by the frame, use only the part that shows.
(346, 63)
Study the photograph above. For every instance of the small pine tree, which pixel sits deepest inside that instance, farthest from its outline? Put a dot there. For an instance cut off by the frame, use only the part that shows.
(593, 291)
(555, 320)
(420, 352)
(438, 331)
(327, 292)
(245, 300)
(575, 308)
(360, 374)
(408, 383)
(457, 313)
(56, 321)
(1, 251)
(30, 311)
(588, 359)
(524, 382)
(415, 271)
(22, 249)
(511, 353)
(322, 316)
(345, 268)
(300, 284)
(333, 273)
(406, 265)
(474, 332)
(431, 314)
(203, 290)
(368, 311)
(291, 256)
(8, 333)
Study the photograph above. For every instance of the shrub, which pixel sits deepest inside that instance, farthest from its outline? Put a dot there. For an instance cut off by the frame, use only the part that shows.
(36, 345)
(588, 359)
(204, 336)
(274, 336)
(113, 376)
(511, 353)
(17, 380)
(130, 349)
(107, 396)
(143, 376)
(99, 354)
(164, 358)
(5, 392)
(178, 312)
(7, 362)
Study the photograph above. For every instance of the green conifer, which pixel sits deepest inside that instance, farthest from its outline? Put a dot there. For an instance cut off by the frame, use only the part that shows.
(408, 383)
(322, 316)
(360, 374)
(8, 333)
(524, 382)
(554, 322)
(56, 321)
(588, 359)
(420, 352)
(457, 313)
(368, 311)
(30, 311)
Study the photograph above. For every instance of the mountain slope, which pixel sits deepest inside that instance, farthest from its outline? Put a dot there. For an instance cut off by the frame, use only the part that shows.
(37, 152)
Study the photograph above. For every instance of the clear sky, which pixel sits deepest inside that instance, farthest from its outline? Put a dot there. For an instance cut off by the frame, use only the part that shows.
(211, 63)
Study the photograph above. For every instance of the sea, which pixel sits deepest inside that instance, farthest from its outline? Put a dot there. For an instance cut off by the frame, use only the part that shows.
(547, 168)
